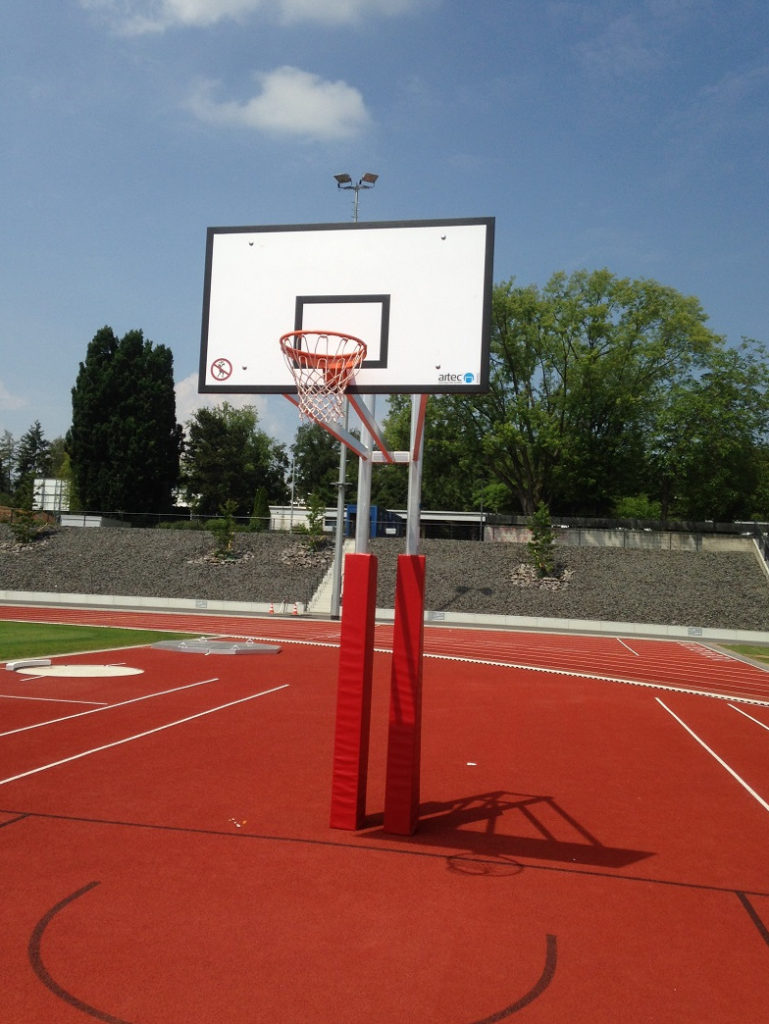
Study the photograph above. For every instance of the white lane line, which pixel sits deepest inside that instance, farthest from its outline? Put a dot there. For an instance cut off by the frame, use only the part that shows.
(715, 756)
(51, 700)
(762, 724)
(139, 735)
(669, 687)
(108, 707)
(628, 647)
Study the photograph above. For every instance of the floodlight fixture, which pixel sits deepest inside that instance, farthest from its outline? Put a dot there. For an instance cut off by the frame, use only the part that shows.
(344, 181)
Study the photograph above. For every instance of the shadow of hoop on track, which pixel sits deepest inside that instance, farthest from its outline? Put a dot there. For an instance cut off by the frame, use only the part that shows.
(558, 836)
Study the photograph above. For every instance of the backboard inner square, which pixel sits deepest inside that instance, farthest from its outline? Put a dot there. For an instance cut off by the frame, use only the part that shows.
(366, 317)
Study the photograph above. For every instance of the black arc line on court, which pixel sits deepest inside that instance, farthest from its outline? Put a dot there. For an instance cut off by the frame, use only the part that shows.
(13, 821)
(50, 983)
(545, 978)
(44, 975)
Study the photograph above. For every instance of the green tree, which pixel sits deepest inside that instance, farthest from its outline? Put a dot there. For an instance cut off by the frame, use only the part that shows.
(450, 469)
(227, 457)
(124, 441)
(759, 504)
(33, 459)
(59, 458)
(62, 470)
(605, 393)
(575, 369)
(708, 438)
(260, 513)
(7, 466)
(316, 464)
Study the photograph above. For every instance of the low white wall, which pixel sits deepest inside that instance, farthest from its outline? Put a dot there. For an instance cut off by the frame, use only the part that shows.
(649, 540)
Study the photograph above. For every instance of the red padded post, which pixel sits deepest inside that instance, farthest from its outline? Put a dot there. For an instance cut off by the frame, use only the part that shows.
(404, 743)
(353, 708)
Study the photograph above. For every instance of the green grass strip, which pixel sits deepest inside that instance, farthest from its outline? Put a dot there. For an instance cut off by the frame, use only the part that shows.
(46, 640)
(756, 652)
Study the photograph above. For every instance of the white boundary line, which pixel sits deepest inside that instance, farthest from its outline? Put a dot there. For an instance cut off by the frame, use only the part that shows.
(108, 707)
(715, 756)
(668, 687)
(139, 735)
(51, 700)
(752, 719)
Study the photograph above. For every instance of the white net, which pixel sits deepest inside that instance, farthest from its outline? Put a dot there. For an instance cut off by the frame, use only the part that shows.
(323, 364)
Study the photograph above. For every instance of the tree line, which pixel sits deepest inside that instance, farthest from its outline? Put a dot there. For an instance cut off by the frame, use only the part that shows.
(608, 396)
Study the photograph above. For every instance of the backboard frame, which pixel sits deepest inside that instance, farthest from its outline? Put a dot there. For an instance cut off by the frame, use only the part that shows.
(222, 370)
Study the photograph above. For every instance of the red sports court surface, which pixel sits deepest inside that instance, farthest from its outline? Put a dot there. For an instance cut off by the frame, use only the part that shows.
(592, 843)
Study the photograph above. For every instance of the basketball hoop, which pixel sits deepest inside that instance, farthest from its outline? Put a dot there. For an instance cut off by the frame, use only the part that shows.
(323, 364)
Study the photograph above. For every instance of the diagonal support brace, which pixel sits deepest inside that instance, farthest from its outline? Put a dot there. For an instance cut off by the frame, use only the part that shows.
(338, 431)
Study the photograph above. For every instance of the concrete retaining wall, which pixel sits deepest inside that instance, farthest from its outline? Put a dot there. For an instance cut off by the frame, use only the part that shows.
(512, 622)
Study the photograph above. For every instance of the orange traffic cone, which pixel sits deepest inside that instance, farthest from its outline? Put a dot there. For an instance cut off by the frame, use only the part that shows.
(296, 610)
(272, 610)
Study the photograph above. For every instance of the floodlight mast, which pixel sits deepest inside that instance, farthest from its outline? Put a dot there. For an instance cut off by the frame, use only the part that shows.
(344, 181)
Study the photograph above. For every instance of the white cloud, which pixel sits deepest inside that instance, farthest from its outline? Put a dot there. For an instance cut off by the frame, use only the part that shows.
(142, 16)
(721, 119)
(277, 417)
(188, 400)
(736, 94)
(9, 401)
(342, 11)
(290, 102)
(624, 47)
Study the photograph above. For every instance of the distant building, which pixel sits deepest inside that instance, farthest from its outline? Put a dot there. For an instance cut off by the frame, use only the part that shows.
(50, 495)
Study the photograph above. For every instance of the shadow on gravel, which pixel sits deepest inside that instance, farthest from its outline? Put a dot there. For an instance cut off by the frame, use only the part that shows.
(459, 592)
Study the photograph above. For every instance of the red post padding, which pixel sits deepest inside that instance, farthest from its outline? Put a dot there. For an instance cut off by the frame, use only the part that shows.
(353, 708)
(404, 744)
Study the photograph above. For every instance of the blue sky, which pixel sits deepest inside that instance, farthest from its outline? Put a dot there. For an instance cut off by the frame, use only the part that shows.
(628, 134)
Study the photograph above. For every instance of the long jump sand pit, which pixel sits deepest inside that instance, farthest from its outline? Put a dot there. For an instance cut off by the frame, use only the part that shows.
(78, 671)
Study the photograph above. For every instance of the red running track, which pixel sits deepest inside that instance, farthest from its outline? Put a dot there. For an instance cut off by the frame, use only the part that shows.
(679, 664)
(586, 851)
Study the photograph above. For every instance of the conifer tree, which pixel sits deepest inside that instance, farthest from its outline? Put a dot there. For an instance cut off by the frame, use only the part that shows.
(124, 441)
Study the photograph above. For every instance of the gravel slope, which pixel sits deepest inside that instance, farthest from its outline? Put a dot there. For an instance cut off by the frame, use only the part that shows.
(674, 588)
(728, 591)
(162, 563)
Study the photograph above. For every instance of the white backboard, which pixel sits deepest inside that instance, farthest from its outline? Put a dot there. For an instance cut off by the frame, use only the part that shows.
(417, 292)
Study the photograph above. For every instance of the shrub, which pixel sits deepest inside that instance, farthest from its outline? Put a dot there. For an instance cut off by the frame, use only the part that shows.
(542, 543)
(26, 526)
(315, 539)
(638, 507)
(260, 515)
(223, 529)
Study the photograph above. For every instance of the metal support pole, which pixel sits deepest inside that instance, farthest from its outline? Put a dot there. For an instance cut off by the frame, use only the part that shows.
(418, 403)
(363, 517)
(293, 482)
(336, 587)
